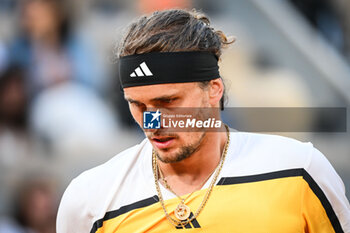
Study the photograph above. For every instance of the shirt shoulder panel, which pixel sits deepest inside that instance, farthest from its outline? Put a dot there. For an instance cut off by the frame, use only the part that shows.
(254, 153)
(263, 154)
(331, 188)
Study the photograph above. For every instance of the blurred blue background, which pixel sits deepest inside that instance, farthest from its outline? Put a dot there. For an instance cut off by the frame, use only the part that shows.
(62, 112)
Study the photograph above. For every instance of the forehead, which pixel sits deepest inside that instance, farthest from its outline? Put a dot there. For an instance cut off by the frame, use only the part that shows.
(159, 90)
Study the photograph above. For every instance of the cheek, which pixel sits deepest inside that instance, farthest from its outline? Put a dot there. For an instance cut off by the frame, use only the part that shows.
(186, 138)
(198, 98)
(190, 138)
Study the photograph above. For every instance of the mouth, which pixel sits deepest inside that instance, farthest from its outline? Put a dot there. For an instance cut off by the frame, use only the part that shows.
(162, 142)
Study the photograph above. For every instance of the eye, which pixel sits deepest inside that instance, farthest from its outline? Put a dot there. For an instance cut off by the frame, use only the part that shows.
(138, 106)
(168, 101)
(135, 104)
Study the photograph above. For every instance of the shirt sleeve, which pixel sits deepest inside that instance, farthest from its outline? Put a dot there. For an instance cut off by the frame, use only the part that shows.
(73, 213)
(325, 207)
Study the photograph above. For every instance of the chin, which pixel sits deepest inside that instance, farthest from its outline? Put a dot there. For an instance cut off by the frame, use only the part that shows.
(173, 156)
(166, 154)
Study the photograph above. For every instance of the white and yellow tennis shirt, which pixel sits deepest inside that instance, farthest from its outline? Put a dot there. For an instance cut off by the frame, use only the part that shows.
(268, 184)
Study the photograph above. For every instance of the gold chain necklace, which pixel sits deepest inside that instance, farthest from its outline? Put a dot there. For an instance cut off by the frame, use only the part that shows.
(182, 211)
(167, 186)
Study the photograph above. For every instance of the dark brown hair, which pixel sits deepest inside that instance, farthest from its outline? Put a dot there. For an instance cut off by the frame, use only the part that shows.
(172, 31)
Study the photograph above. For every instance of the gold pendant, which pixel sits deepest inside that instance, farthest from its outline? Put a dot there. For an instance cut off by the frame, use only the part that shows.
(182, 212)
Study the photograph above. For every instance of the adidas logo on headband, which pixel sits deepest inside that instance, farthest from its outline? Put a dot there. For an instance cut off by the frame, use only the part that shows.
(141, 70)
(167, 67)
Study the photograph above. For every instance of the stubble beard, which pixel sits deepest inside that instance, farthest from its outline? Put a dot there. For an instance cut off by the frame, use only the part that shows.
(184, 153)
(187, 150)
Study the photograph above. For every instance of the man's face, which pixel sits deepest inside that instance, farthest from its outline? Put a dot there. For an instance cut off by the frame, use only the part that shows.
(169, 146)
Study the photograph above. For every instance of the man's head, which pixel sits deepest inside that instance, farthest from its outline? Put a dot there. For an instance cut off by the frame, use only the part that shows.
(168, 32)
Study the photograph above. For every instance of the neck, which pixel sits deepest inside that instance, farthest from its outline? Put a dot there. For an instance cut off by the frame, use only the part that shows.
(189, 174)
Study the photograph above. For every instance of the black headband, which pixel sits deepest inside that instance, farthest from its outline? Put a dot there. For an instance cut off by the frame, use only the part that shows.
(167, 67)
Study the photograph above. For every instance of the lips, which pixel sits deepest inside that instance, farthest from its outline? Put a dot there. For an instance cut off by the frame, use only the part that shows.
(162, 142)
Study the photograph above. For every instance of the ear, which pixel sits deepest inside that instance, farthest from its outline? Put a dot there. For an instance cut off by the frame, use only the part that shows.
(216, 90)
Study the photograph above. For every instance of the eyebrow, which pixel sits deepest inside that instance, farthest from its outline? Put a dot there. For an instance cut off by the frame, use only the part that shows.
(157, 99)
(130, 100)
(163, 98)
